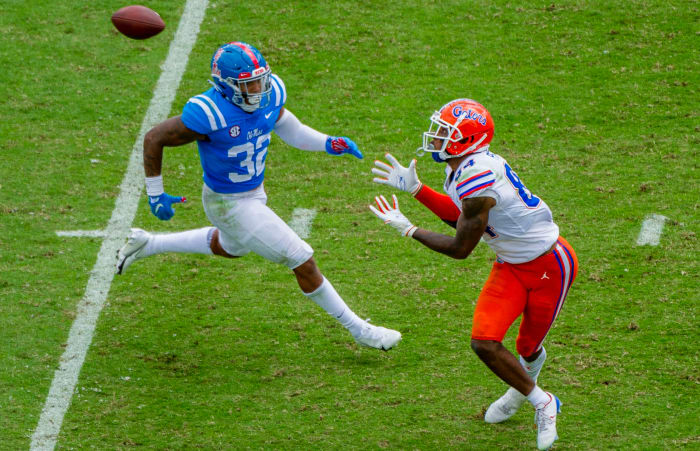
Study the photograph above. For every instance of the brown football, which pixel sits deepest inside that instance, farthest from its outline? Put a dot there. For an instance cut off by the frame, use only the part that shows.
(138, 22)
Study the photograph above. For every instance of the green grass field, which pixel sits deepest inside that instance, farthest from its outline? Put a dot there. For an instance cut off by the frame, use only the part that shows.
(596, 107)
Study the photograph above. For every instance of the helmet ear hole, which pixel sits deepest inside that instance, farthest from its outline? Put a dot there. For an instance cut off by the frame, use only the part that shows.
(467, 140)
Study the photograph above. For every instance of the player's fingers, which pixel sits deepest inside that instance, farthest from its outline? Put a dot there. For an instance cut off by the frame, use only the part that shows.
(394, 162)
(382, 165)
(376, 212)
(376, 201)
(380, 204)
(378, 171)
(382, 181)
(174, 199)
(396, 201)
(385, 203)
(412, 166)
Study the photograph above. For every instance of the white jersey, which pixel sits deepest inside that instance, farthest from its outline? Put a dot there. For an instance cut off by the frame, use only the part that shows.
(520, 225)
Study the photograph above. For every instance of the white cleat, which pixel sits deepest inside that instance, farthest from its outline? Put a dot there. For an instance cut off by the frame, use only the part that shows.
(546, 420)
(131, 251)
(505, 406)
(378, 337)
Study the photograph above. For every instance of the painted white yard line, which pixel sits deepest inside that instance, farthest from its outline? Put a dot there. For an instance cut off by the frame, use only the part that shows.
(301, 222)
(302, 218)
(82, 233)
(89, 307)
(652, 227)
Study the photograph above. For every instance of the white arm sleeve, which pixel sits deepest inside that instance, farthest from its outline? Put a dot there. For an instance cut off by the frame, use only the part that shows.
(298, 135)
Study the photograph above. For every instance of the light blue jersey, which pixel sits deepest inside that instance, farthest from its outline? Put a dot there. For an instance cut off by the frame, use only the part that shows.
(233, 159)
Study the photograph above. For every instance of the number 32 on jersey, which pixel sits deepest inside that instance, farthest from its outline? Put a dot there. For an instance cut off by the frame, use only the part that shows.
(249, 167)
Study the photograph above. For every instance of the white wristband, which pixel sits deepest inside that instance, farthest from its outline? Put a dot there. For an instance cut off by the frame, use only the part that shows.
(154, 185)
(416, 189)
(410, 230)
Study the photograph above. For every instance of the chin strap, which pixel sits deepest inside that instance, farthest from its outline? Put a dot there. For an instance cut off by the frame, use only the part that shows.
(476, 144)
(437, 157)
(442, 156)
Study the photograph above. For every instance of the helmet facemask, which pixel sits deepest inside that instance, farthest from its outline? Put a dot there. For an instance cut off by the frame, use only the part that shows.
(449, 134)
(250, 93)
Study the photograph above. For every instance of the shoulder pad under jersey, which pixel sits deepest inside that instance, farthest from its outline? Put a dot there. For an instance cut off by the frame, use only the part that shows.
(473, 178)
(202, 113)
(279, 92)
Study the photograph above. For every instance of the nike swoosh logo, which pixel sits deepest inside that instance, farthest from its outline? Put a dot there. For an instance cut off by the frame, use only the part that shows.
(158, 207)
(267, 116)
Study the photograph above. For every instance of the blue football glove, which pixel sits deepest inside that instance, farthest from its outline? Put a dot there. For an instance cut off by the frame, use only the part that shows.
(338, 145)
(161, 206)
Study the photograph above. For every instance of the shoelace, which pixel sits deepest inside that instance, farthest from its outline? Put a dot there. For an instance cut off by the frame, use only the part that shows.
(542, 419)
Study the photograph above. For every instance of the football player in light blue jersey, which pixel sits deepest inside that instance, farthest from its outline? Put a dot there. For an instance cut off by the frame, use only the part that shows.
(232, 124)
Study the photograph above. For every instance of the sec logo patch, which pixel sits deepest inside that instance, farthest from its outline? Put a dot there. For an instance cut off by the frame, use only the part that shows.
(234, 131)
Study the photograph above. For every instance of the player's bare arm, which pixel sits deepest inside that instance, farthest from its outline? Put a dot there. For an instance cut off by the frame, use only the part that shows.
(470, 226)
(171, 133)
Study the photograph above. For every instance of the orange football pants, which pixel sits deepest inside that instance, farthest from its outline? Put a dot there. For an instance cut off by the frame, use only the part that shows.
(536, 289)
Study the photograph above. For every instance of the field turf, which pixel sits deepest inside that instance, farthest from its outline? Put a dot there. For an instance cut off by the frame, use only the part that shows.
(596, 107)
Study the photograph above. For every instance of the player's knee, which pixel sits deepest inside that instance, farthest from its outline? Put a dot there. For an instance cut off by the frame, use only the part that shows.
(216, 247)
(484, 348)
(308, 276)
(308, 269)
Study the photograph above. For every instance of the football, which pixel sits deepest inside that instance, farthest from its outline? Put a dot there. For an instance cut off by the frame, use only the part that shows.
(138, 22)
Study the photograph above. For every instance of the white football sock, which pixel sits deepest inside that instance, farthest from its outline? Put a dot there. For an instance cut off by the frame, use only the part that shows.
(330, 301)
(195, 241)
(538, 397)
(533, 368)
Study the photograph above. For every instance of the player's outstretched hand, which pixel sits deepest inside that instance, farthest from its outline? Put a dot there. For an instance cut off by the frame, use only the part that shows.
(338, 145)
(396, 175)
(161, 206)
(392, 216)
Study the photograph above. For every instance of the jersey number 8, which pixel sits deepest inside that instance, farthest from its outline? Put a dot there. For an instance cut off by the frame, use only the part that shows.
(528, 198)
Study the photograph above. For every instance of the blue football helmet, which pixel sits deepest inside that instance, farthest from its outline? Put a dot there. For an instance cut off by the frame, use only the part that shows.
(241, 75)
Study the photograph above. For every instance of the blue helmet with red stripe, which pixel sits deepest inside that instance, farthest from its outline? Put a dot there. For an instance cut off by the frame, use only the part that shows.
(241, 75)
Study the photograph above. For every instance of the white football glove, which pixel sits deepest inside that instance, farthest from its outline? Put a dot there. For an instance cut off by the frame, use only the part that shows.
(393, 216)
(396, 175)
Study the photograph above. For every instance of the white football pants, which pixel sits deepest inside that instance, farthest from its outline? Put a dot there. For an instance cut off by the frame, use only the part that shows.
(247, 224)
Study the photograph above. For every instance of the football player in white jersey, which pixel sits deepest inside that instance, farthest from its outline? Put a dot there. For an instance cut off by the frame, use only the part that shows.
(232, 124)
(534, 268)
